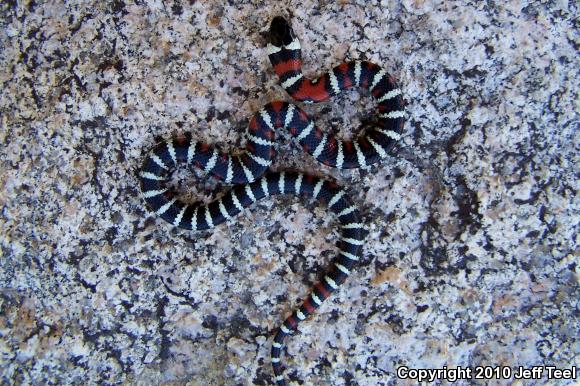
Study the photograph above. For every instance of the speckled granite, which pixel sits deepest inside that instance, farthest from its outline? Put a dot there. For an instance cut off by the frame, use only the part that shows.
(472, 257)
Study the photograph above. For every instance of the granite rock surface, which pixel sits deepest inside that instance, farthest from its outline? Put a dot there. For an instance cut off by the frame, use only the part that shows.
(472, 253)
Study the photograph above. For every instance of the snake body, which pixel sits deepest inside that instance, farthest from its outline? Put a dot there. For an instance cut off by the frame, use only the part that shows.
(249, 170)
(285, 54)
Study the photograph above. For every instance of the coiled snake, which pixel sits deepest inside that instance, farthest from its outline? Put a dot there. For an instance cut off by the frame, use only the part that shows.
(249, 170)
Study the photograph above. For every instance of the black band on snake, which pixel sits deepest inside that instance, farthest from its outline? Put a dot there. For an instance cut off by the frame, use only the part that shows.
(249, 169)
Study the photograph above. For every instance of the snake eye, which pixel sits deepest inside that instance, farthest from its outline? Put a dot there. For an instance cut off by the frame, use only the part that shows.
(280, 32)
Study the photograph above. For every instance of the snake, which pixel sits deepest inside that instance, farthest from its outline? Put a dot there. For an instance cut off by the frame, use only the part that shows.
(248, 169)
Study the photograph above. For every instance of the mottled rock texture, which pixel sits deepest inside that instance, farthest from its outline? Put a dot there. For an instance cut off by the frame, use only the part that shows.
(472, 256)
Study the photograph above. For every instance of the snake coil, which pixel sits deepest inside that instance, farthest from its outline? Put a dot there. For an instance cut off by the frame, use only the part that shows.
(249, 170)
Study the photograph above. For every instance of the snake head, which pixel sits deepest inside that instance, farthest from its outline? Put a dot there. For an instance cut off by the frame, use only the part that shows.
(281, 33)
